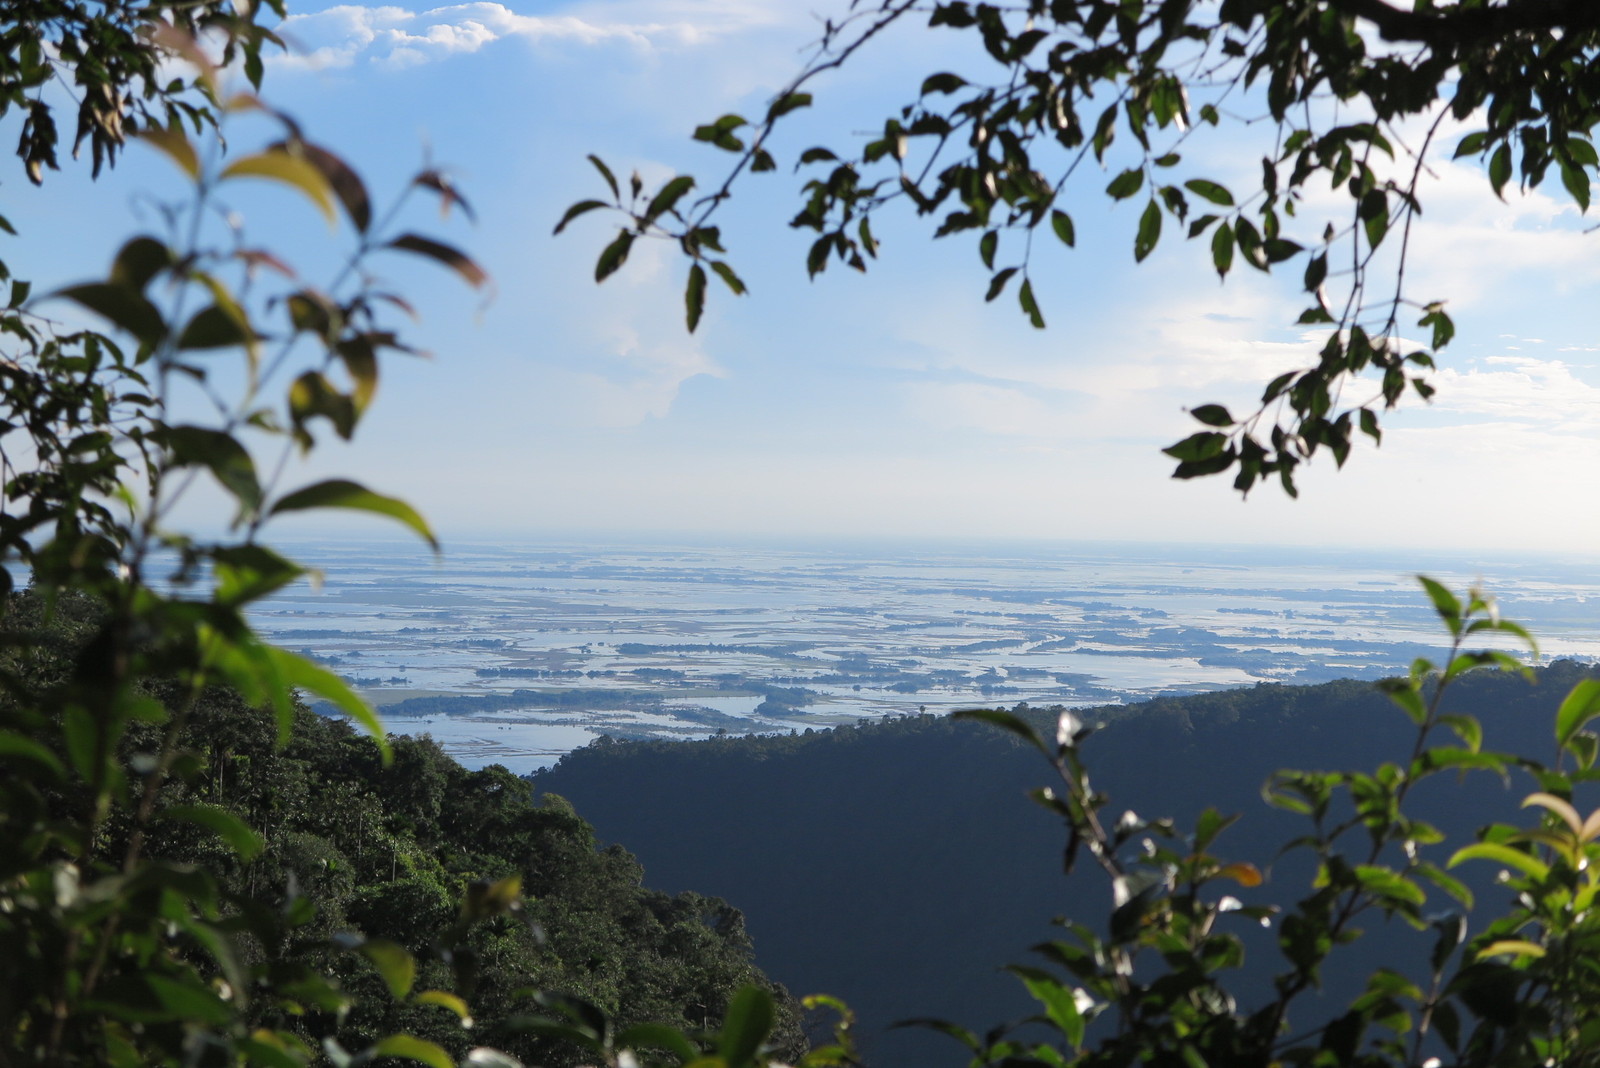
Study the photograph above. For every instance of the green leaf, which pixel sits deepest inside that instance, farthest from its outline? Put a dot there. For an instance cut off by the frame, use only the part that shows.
(1583, 152)
(998, 283)
(1126, 184)
(1576, 180)
(658, 1036)
(268, 1049)
(1149, 234)
(246, 843)
(1060, 1003)
(613, 256)
(1444, 602)
(174, 144)
(1500, 169)
(1209, 190)
(1029, 304)
(1316, 272)
(1006, 721)
(190, 1001)
(446, 1000)
(1502, 854)
(694, 296)
(215, 327)
(605, 172)
(296, 671)
(580, 208)
(1212, 415)
(1519, 947)
(245, 573)
(139, 260)
(1472, 142)
(1374, 211)
(343, 180)
(1248, 238)
(987, 244)
(1581, 705)
(1408, 699)
(719, 133)
(1222, 249)
(310, 395)
(1061, 223)
(1205, 445)
(668, 196)
(1444, 328)
(14, 745)
(729, 279)
(280, 165)
(447, 255)
(942, 83)
(1584, 745)
(414, 1049)
(745, 1026)
(342, 493)
(221, 454)
(394, 964)
(488, 899)
(123, 306)
(787, 103)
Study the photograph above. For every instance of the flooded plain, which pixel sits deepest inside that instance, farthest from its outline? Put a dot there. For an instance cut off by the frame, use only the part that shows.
(517, 653)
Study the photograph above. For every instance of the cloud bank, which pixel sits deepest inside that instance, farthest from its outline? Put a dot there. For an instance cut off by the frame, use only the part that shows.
(348, 34)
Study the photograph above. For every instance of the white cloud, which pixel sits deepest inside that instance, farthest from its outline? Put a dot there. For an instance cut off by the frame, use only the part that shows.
(1522, 389)
(641, 380)
(1002, 410)
(341, 36)
(633, 366)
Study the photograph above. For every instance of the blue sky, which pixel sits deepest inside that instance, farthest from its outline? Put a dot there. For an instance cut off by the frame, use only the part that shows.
(892, 404)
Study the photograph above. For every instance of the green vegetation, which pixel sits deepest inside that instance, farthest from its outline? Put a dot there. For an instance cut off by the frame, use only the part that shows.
(194, 871)
(348, 842)
(1354, 94)
(941, 837)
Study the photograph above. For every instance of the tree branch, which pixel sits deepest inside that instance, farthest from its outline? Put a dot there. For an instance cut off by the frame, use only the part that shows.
(1459, 26)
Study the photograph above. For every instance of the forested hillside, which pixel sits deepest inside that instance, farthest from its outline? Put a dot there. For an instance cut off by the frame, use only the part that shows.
(351, 848)
(900, 864)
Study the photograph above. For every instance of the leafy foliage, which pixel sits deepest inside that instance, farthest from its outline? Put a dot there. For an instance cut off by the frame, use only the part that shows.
(194, 869)
(1357, 92)
(1152, 983)
(323, 831)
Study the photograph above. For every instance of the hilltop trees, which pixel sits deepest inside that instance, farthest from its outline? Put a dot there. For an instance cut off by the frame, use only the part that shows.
(1358, 93)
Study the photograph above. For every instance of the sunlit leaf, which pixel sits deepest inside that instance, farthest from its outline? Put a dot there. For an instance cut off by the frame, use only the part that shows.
(415, 1049)
(280, 165)
(342, 493)
(745, 1025)
(397, 967)
(175, 145)
(227, 826)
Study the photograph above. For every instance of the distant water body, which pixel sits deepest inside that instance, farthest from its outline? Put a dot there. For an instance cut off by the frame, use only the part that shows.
(564, 641)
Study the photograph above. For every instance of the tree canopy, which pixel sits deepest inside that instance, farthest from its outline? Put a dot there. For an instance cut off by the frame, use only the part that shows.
(1350, 95)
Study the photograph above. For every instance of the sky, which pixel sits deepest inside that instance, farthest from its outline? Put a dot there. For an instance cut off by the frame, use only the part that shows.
(892, 404)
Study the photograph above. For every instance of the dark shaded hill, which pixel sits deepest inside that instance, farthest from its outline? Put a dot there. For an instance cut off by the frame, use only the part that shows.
(899, 864)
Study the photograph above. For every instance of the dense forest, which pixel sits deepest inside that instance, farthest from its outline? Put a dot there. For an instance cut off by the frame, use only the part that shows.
(900, 864)
(353, 849)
